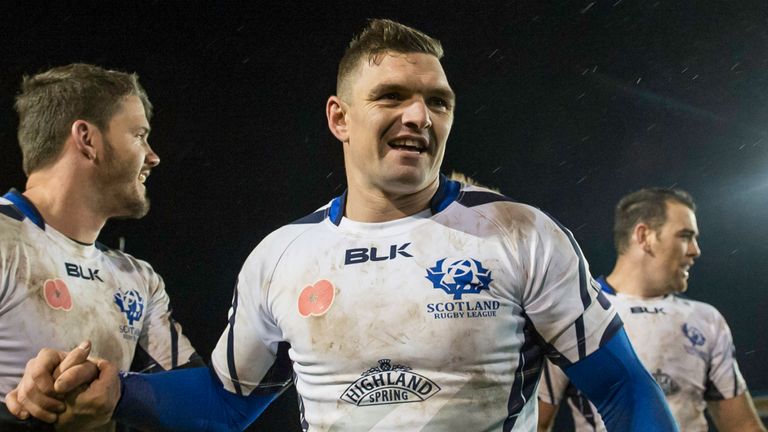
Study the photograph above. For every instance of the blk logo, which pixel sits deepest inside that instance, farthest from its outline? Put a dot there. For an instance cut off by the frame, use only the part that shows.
(361, 255)
(77, 271)
(643, 309)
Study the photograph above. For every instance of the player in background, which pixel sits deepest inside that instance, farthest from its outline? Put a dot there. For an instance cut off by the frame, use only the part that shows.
(83, 134)
(411, 301)
(684, 344)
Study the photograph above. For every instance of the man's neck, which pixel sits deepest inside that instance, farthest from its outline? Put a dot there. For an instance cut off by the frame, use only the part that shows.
(367, 205)
(628, 277)
(65, 206)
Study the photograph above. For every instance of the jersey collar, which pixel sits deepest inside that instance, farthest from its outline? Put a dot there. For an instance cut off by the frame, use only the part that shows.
(605, 286)
(25, 206)
(447, 192)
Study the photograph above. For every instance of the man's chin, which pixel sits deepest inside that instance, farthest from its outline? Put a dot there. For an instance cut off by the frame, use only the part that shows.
(134, 210)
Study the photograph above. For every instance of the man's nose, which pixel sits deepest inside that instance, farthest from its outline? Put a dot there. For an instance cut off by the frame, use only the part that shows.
(416, 115)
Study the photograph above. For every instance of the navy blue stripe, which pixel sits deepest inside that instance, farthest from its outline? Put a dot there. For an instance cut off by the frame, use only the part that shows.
(174, 343)
(143, 362)
(315, 217)
(279, 374)
(586, 300)
(614, 326)
(711, 393)
(231, 347)
(527, 374)
(580, 337)
(447, 191)
(580, 404)
(476, 198)
(12, 212)
(25, 206)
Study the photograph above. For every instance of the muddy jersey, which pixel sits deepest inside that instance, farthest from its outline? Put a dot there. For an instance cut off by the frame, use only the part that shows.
(438, 321)
(684, 344)
(56, 292)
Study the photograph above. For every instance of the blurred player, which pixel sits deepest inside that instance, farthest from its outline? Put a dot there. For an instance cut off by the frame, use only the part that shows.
(410, 302)
(83, 134)
(686, 345)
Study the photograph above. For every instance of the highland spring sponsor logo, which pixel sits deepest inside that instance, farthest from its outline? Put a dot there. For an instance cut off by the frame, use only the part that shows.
(389, 384)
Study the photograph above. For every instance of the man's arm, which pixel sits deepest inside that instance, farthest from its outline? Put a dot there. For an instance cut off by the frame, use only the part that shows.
(547, 414)
(736, 414)
(180, 400)
(625, 394)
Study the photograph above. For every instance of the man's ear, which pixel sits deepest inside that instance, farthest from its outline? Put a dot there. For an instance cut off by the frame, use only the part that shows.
(336, 111)
(641, 235)
(82, 134)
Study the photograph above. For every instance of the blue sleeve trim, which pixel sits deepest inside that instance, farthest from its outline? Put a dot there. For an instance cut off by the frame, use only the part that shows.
(625, 394)
(186, 400)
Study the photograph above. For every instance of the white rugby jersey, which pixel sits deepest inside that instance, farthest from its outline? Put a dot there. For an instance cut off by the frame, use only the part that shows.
(684, 344)
(56, 292)
(434, 322)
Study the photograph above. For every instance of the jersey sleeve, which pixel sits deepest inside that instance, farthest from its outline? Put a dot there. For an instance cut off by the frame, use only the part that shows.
(564, 303)
(251, 353)
(552, 384)
(724, 380)
(162, 345)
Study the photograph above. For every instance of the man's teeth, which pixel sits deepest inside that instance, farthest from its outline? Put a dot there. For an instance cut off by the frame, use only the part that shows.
(407, 144)
(142, 178)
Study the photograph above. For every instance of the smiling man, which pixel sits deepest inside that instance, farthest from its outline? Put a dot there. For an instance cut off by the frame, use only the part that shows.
(83, 134)
(410, 302)
(685, 344)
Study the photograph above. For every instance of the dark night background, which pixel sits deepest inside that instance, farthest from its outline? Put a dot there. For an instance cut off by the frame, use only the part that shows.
(566, 105)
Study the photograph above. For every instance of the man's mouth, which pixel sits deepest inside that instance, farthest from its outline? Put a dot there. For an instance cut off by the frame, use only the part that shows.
(685, 270)
(143, 177)
(408, 144)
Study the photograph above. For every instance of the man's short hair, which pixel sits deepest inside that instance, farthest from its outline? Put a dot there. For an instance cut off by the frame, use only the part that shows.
(649, 206)
(51, 101)
(381, 36)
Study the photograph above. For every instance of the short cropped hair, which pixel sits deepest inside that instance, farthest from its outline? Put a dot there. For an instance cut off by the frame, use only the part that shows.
(51, 101)
(381, 36)
(649, 206)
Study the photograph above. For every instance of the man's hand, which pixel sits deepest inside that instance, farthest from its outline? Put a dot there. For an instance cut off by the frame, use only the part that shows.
(88, 405)
(36, 394)
(67, 389)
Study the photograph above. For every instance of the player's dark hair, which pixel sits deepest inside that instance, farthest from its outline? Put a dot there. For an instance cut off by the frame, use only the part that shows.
(379, 37)
(648, 206)
(51, 101)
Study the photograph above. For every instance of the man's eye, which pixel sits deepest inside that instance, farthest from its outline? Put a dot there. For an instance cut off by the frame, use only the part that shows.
(390, 96)
(439, 102)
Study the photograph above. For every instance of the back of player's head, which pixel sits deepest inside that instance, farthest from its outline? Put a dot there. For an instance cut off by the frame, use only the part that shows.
(378, 37)
(51, 101)
(648, 206)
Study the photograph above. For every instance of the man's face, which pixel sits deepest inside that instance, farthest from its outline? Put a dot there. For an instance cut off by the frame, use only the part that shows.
(398, 112)
(674, 247)
(127, 161)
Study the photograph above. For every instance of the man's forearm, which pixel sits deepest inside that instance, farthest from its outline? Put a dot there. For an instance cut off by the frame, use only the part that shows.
(625, 394)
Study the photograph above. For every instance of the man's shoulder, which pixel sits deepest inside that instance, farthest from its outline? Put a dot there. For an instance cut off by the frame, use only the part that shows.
(495, 205)
(699, 308)
(124, 261)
